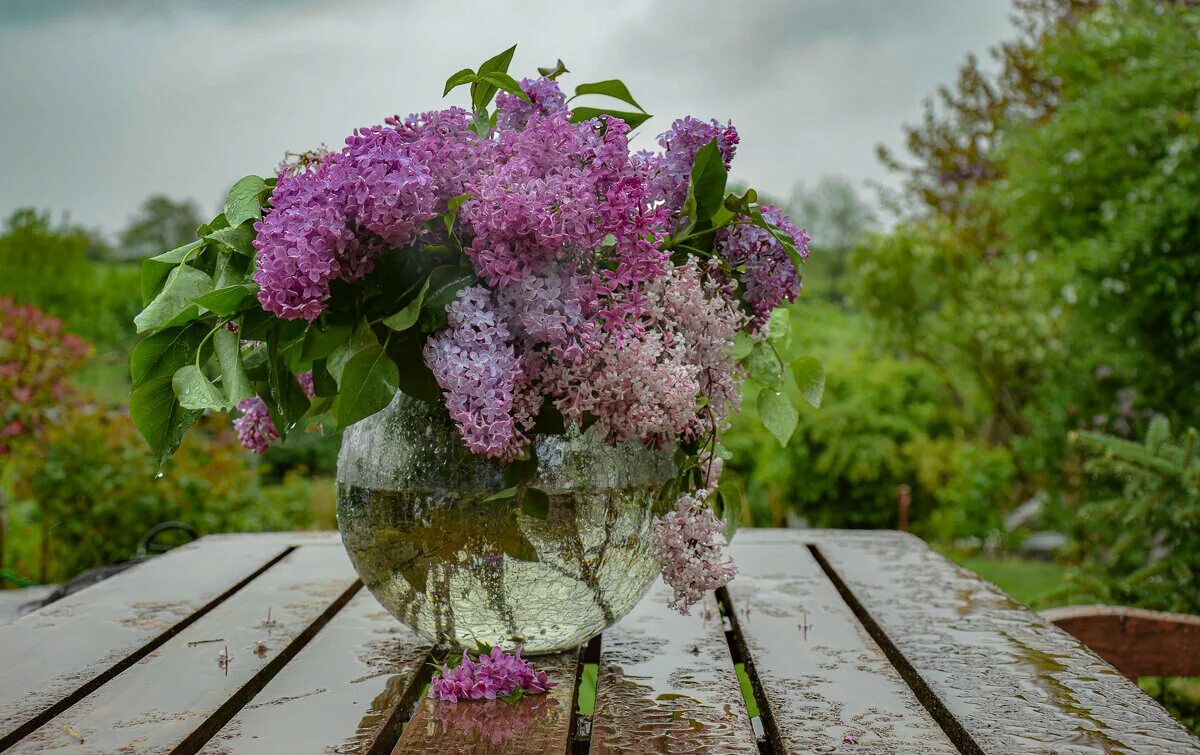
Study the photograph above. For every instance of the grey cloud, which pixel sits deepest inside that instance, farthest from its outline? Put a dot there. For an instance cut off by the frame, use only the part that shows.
(106, 102)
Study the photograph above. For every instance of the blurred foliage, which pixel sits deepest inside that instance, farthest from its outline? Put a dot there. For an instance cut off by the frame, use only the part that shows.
(161, 223)
(37, 356)
(1110, 187)
(883, 423)
(1138, 537)
(89, 492)
(52, 267)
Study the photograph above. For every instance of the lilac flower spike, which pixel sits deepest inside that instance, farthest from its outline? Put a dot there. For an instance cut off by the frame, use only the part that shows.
(495, 674)
(255, 430)
(690, 549)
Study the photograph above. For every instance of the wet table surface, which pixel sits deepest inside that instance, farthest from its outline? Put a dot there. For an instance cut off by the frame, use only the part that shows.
(828, 641)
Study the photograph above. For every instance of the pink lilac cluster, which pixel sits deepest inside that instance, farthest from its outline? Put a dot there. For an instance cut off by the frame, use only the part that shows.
(690, 549)
(645, 385)
(770, 277)
(255, 430)
(495, 674)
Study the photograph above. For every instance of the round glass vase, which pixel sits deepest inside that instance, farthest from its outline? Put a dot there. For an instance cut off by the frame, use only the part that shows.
(460, 569)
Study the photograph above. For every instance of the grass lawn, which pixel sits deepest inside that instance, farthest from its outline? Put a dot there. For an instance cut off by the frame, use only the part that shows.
(1030, 582)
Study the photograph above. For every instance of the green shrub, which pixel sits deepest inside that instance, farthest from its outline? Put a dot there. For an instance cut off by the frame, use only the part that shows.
(51, 267)
(884, 423)
(90, 491)
(1138, 536)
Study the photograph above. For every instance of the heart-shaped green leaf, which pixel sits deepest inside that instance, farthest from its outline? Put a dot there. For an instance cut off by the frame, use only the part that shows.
(810, 378)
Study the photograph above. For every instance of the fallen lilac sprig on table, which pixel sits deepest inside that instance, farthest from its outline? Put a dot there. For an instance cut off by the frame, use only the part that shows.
(496, 674)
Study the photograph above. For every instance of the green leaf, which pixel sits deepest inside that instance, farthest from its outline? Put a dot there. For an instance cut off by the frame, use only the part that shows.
(287, 401)
(323, 383)
(785, 240)
(465, 76)
(452, 208)
(195, 391)
(499, 62)
(764, 365)
(554, 72)
(777, 414)
(156, 269)
(614, 88)
(407, 317)
(369, 383)
(483, 91)
(174, 303)
(321, 340)
(780, 326)
(520, 471)
(244, 201)
(502, 495)
(810, 378)
(234, 381)
(238, 238)
(633, 120)
(161, 354)
(706, 190)
(158, 416)
(416, 380)
(742, 346)
(444, 284)
(535, 503)
(360, 338)
(732, 504)
(507, 83)
(226, 301)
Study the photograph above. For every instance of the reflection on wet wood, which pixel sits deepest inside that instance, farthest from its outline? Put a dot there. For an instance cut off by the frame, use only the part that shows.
(339, 695)
(1011, 679)
(667, 683)
(48, 655)
(827, 684)
(163, 699)
(534, 724)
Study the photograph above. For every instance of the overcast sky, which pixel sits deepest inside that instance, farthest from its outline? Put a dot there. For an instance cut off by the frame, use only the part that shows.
(107, 101)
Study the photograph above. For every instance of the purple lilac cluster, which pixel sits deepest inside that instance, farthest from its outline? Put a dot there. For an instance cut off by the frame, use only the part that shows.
(477, 368)
(673, 168)
(495, 674)
(254, 428)
(770, 277)
(690, 549)
(512, 112)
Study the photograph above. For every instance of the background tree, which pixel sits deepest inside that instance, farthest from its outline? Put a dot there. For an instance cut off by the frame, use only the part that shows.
(160, 224)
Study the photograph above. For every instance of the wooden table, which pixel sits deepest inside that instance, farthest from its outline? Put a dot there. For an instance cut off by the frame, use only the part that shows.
(852, 641)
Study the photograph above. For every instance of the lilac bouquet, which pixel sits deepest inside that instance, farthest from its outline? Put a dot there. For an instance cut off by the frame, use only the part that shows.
(518, 264)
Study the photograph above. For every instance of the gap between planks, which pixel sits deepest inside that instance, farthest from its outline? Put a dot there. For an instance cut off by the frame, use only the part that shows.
(958, 735)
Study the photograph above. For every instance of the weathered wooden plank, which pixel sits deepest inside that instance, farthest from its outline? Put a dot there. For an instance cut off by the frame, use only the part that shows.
(338, 695)
(1013, 681)
(667, 683)
(1135, 641)
(826, 682)
(534, 724)
(168, 697)
(55, 654)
